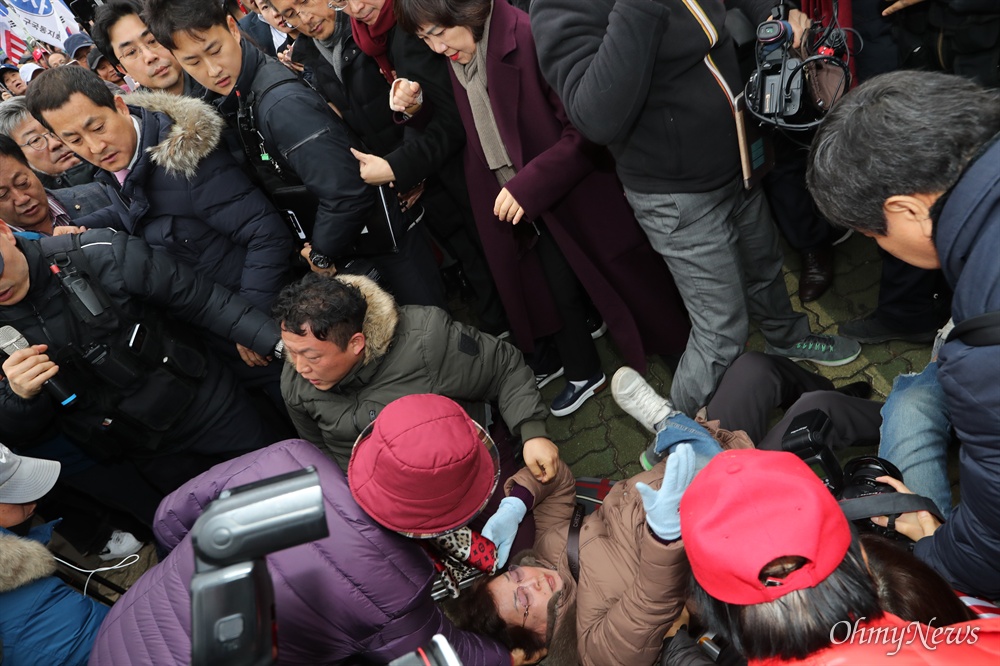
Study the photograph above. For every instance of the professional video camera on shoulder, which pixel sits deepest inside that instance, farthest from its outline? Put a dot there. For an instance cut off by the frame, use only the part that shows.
(793, 88)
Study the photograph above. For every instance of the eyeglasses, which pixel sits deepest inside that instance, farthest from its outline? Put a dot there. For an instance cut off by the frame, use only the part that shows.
(38, 142)
(132, 52)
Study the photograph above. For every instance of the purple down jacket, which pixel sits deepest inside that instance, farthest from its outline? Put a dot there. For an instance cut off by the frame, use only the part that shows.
(361, 592)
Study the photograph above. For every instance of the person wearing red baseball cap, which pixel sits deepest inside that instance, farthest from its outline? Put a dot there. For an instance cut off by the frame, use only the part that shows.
(780, 574)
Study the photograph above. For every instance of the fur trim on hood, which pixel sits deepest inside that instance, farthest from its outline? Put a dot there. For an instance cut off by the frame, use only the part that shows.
(196, 130)
(23, 561)
(381, 318)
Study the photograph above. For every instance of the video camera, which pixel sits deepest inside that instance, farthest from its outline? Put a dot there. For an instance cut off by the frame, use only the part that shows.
(232, 595)
(793, 88)
(861, 497)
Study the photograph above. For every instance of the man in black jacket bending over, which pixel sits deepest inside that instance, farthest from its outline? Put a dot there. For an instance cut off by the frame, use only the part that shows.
(145, 388)
(294, 128)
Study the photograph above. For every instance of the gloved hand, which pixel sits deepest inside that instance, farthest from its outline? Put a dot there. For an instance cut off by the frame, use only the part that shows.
(663, 505)
(502, 526)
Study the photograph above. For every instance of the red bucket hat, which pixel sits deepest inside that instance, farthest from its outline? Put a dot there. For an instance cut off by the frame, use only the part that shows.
(423, 467)
(747, 508)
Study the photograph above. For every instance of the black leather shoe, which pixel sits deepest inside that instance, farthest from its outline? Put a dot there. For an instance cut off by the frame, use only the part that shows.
(817, 274)
(871, 331)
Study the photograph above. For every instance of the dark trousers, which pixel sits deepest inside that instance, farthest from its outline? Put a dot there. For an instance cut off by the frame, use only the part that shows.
(573, 342)
(411, 274)
(792, 206)
(907, 296)
(758, 383)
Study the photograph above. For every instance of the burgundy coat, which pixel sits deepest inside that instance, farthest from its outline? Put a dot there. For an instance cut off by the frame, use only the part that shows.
(585, 209)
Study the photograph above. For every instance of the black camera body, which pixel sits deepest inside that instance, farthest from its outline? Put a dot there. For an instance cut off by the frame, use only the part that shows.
(854, 485)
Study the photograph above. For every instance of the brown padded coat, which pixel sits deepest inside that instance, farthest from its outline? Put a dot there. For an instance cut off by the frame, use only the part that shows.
(631, 585)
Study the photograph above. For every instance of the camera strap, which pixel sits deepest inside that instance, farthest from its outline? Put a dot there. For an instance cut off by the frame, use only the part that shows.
(979, 331)
(888, 504)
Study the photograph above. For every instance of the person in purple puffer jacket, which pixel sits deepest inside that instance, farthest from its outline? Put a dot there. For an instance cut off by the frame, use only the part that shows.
(362, 591)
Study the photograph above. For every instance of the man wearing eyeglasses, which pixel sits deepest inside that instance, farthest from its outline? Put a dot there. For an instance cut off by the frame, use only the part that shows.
(25, 204)
(120, 32)
(56, 166)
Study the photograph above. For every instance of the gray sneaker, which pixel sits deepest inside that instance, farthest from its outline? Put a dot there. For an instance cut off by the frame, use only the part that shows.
(831, 350)
(638, 399)
(650, 457)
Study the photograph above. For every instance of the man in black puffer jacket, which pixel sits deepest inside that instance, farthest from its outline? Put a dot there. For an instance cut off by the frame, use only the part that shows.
(176, 188)
(145, 388)
(293, 126)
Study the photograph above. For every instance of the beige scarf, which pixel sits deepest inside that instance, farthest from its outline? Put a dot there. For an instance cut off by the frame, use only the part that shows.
(473, 78)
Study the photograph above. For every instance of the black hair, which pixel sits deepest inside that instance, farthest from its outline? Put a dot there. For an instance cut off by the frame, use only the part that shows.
(902, 133)
(475, 610)
(105, 18)
(909, 588)
(9, 148)
(333, 309)
(166, 17)
(472, 14)
(799, 623)
(52, 88)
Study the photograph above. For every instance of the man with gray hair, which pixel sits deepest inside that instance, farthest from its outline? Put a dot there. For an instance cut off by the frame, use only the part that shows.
(910, 159)
(56, 165)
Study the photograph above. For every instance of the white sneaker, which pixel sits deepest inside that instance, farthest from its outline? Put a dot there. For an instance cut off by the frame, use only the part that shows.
(638, 399)
(121, 544)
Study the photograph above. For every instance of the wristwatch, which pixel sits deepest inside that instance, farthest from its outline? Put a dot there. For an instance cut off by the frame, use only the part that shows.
(320, 260)
(279, 349)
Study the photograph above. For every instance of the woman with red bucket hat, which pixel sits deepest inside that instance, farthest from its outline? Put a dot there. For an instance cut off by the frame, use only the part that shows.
(426, 469)
(780, 574)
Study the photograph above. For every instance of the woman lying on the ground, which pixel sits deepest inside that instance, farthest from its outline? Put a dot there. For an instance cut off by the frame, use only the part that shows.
(632, 568)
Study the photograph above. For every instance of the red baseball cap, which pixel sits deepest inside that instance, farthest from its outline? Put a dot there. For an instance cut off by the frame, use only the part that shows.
(747, 508)
(423, 467)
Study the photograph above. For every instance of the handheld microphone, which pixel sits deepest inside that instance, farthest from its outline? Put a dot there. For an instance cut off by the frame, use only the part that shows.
(10, 341)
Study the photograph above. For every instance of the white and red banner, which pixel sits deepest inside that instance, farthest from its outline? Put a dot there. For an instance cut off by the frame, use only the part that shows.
(49, 21)
(13, 45)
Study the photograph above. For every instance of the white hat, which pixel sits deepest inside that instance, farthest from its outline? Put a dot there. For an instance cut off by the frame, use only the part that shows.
(24, 479)
(29, 70)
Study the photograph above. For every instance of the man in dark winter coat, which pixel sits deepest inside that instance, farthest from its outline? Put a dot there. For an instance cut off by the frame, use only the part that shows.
(297, 131)
(144, 387)
(654, 81)
(362, 592)
(910, 159)
(424, 152)
(171, 182)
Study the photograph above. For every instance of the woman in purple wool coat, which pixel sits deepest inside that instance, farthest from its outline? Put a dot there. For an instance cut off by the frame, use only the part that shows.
(541, 197)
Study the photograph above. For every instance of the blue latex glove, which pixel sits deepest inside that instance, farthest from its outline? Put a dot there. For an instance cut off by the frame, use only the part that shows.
(502, 526)
(663, 505)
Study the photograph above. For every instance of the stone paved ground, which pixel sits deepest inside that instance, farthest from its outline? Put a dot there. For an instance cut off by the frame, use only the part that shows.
(600, 440)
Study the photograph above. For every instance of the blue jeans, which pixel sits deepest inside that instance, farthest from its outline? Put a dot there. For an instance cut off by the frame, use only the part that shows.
(679, 429)
(915, 433)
